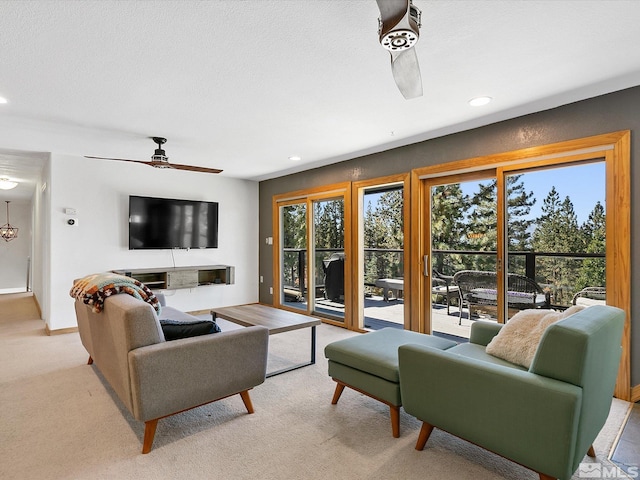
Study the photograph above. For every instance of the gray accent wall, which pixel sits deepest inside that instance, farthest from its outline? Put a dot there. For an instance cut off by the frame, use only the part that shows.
(608, 113)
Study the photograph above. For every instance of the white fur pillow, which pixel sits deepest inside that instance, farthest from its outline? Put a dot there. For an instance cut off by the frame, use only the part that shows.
(518, 340)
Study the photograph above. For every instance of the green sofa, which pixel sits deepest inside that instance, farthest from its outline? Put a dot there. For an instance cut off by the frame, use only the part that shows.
(544, 418)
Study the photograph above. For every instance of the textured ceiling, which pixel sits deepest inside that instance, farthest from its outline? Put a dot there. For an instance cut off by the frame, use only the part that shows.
(243, 85)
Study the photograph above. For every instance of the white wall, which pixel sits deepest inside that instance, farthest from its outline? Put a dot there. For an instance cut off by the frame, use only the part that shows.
(99, 190)
(41, 249)
(14, 254)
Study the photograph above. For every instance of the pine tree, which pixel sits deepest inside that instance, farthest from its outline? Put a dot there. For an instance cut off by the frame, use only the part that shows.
(383, 229)
(592, 273)
(448, 226)
(328, 233)
(294, 236)
(483, 220)
(294, 226)
(557, 232)
(519, 205)
(390, 211)
(329, 224)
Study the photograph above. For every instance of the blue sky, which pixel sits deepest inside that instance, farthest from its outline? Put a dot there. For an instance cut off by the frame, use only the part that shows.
(583, 184)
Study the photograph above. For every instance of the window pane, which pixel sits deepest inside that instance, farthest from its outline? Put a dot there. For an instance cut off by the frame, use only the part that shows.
(294, 256)
(328, 257)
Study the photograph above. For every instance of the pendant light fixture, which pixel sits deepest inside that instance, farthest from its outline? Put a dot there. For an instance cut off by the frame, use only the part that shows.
(7, 231)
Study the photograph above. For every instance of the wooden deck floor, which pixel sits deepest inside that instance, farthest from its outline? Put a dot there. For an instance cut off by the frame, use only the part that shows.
(379, 313)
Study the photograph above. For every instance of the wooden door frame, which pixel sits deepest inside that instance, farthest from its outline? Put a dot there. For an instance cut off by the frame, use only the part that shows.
(428, 183)
(357, 244)
(615, 148)
(308, 196)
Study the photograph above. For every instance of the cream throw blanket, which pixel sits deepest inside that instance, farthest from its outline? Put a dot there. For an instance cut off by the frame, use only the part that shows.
(518, 340)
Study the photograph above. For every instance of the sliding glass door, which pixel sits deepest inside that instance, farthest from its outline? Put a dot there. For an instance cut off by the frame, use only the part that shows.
(511, 238)
(556, 235)
(311, 259)
(328, 254)
(463, 258)
(293, 254)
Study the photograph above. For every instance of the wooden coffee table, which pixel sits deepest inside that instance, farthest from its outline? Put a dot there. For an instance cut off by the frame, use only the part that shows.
(275, 319)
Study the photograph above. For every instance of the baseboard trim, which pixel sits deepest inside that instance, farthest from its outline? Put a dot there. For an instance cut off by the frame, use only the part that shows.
(635, 394)
(60, 331)
(35, 299)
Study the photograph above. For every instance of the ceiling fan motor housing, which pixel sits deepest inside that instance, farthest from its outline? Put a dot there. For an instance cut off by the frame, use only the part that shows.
(160, 155)
(400, 38)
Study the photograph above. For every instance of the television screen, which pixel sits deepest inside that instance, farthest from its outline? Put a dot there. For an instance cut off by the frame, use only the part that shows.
(169, 223)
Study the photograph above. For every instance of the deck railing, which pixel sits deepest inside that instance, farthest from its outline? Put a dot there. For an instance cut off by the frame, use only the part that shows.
(389, 263)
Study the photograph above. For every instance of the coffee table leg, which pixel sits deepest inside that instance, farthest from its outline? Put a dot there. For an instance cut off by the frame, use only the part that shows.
(313, 345)
(295, 367)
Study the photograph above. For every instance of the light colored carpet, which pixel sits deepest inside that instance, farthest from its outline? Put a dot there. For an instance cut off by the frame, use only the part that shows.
(59, 420)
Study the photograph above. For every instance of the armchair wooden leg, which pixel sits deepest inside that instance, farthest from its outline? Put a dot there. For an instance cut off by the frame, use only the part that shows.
(394, 411)
(337, 393)
(149, 434)
(425, 433)
(546, 477)
(90, 361)
(247, 400)
(591, 452)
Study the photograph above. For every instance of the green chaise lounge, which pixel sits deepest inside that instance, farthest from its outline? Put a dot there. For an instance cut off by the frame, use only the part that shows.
(545, 417)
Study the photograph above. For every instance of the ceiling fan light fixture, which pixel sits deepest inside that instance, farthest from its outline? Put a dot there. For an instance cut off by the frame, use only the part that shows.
(6, 184)
(399, 40)
(161, 164)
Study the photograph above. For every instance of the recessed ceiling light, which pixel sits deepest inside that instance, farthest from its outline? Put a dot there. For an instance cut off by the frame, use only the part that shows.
(3, 100)
(479, 101)
(295, 158)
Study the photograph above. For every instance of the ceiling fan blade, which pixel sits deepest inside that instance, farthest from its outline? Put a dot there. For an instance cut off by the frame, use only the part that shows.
(392, 12)
(160, 160)
(399, 30)
(192, 168)
(120, 159)
(406, 73)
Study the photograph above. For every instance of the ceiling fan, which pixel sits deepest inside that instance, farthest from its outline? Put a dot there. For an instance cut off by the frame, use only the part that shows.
(160, 160)
(399, 30)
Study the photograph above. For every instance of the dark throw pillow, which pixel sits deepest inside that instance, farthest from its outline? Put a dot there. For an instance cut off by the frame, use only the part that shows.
(174, 329)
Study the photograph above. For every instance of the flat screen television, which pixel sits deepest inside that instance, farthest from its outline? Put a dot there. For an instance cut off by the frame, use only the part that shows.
(156, 223)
